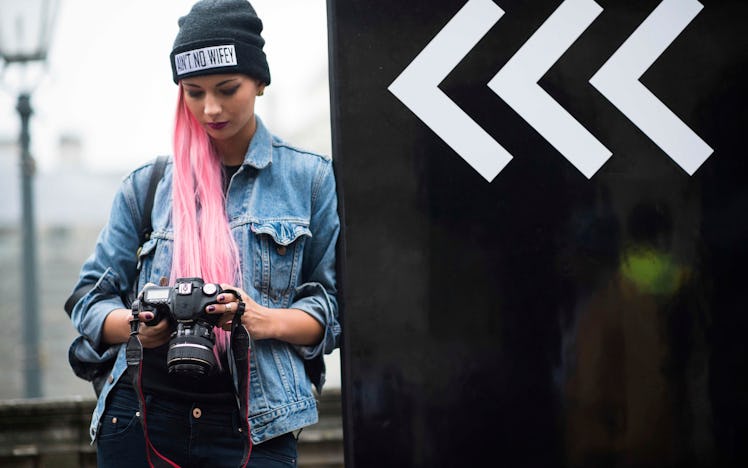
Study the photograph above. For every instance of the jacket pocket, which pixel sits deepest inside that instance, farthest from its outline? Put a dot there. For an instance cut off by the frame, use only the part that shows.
(278, 249)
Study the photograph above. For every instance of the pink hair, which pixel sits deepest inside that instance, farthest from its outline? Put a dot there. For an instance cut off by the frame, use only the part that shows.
(203, 244)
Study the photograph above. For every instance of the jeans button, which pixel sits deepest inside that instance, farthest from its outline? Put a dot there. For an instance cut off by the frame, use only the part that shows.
(196, 413)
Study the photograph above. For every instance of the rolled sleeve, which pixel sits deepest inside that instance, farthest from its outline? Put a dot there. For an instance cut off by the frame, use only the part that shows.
(313, 299)
(87, 353)
(317, 295)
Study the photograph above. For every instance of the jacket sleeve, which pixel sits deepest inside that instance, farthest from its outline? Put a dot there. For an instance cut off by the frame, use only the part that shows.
(111, 269)
(318, 294)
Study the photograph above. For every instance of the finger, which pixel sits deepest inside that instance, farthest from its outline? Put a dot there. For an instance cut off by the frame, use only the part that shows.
(225, 323)
(226, 297)
(145, 316)
(228, 308)
(232, 293)
(157, 329)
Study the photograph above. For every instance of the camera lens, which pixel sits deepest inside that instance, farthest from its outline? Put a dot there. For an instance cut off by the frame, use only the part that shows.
(190, 355)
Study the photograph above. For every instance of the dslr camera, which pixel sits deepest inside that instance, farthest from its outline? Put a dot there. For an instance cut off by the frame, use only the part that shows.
(191, 345)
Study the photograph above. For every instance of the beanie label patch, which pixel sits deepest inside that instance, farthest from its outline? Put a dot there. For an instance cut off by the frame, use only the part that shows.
(205, 58)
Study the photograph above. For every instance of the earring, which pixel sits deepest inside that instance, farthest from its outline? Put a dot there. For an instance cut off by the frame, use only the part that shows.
(261, 92)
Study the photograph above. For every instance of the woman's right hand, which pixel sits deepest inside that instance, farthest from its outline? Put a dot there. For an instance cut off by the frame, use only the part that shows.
(117, 328)
(152, 336)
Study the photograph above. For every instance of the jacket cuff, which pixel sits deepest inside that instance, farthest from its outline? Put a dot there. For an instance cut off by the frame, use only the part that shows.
(313, 299)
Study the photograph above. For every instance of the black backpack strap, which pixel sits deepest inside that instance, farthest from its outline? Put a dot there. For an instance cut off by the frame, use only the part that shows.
(145, 231)
(156, 174)
(76, 296)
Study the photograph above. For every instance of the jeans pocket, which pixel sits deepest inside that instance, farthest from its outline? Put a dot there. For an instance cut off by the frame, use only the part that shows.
(117, 422)
(120, 416)
(279, 452)
(120, 441)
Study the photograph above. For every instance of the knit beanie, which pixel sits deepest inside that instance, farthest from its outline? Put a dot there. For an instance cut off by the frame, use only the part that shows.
(219, 36)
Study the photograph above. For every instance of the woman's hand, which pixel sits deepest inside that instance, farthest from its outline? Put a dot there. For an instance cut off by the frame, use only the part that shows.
(256, 318)
(152, 336)
(291, 325)
(117, 328)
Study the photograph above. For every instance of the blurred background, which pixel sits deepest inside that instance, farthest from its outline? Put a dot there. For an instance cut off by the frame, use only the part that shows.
(102, 103)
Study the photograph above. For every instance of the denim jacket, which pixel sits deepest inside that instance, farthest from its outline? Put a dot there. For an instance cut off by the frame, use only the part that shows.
(282, 209)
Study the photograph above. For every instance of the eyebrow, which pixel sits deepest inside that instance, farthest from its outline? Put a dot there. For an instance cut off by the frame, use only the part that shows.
(195, 85)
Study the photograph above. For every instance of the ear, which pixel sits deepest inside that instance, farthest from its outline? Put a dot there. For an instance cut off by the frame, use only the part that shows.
(260, 89)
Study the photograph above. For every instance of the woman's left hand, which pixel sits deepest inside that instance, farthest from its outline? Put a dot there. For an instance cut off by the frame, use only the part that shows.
(256, 318)
(291, 325)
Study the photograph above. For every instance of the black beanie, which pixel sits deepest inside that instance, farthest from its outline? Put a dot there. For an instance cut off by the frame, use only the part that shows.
(219, 36)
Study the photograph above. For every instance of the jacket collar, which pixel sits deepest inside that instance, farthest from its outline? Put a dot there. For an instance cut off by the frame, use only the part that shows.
(260, 151)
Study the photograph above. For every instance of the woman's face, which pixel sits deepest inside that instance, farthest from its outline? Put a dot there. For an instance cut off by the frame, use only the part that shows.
(223, 104)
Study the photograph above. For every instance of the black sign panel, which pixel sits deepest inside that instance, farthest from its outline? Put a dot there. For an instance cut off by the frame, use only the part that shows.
(546, 208)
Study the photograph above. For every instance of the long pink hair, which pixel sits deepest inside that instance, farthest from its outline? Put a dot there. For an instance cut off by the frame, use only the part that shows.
(203, 244)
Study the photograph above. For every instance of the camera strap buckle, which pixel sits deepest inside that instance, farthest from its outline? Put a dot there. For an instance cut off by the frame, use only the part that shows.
(134, 350)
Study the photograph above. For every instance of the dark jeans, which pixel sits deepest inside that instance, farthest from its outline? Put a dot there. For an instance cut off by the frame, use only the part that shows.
(189, 434)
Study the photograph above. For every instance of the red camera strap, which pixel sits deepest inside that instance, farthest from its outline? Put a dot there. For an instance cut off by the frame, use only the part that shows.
(135, 369)
(240, 350)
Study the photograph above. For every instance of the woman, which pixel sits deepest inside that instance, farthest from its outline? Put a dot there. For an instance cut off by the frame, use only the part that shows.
(236, 207)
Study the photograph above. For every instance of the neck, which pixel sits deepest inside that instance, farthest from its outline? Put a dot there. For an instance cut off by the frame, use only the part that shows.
(232, 154)
(234, 149)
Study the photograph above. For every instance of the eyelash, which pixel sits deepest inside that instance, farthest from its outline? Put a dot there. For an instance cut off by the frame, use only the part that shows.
(225, 92)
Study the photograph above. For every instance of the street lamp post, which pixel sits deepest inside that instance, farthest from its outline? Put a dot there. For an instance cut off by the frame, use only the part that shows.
(25, 32)
(32, 370)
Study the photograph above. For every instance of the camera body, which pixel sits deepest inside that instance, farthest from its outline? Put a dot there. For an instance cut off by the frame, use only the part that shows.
(192, 340)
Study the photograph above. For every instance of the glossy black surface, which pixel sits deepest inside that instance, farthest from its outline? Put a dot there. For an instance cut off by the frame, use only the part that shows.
(543, 319)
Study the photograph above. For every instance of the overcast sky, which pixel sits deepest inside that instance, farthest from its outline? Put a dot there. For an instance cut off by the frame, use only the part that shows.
(109, 78)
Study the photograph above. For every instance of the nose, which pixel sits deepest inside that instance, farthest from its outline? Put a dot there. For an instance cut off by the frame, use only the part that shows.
(212, 105)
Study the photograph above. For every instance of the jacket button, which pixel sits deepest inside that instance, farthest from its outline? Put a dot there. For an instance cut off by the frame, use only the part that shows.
(196, 413)
(281, 250)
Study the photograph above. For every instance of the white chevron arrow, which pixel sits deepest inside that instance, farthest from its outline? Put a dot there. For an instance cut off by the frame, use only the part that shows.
(517, 84)
(417, 88)
(618, 81)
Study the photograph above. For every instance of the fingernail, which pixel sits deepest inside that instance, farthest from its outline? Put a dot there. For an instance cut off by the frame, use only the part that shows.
(147, 316)
(211, 308)
(220, 298)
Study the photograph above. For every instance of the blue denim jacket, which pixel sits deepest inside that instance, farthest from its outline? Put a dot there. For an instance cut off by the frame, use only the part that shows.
(282, 208)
